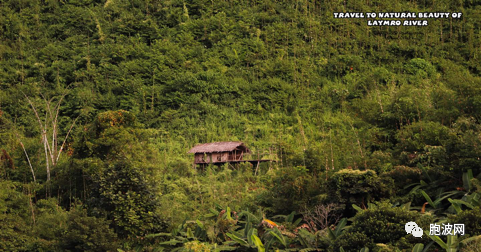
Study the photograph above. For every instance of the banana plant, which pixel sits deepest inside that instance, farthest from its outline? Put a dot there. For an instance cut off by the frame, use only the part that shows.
(200, 231)
(308, 239)
(418, 247)
(333, 235)
(436, 204)
(452, 196)
(289, 219)
(250, 239)
(469, 200)
(184, 233)
(258, 243)
(456, 203)
(453, 243)
(467, 177)
(365, 249)
(248, 235)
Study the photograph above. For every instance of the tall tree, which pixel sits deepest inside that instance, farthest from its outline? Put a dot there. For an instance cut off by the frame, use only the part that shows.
(50, 126)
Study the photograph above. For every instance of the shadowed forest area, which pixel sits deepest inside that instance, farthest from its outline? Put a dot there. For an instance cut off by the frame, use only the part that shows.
(372, 126)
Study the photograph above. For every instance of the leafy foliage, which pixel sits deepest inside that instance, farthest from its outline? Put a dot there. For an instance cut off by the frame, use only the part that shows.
(352, 115)
(358, 187)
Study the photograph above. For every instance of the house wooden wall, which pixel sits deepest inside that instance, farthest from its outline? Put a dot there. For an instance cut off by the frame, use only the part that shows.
(211, 157)
(199, 158)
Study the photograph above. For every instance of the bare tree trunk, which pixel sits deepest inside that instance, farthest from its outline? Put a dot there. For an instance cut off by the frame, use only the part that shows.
(359, 144)
(46, 155)
(31, 205)
(52, 153)
(28, 159)
(332, 153)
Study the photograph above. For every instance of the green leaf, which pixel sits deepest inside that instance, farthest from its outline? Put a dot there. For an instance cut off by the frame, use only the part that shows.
(210, 215)
(332, 236)
(214, 212)
(219, 207)
(225, 248)
(406, 206)
(415, 189)
(269, 243)
(247, 227)
(158, 234)
(371, 206)
(418, 247)
(473, 199)
(467, 177)
(290, 217)
(342, 223)
(426, 248)
(341, 249)
(357, 207)
(470, 239)
(295, 223)
(189, 233)
(200, 224)
(420, 166)
(252, 217)
(171, 242)
(452, 242)
(258, 243)
(279, 237)
(236, 239)
(461, 202)
(447, 195)
(303, 236)
(413, 184)
(455, 205)
(365, 249)
(249, 235)
(428, 199)
(438, 240)
(228, 214)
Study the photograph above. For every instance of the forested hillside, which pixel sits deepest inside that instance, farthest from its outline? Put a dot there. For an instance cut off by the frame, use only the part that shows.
(100, 102)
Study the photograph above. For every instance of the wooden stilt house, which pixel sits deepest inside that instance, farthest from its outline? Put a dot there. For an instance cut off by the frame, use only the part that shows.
(219, 152)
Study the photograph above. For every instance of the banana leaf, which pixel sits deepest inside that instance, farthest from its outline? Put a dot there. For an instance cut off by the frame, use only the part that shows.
(428, 199)
(418, 247)
(236, 239)
(258, 243)
(276, 233)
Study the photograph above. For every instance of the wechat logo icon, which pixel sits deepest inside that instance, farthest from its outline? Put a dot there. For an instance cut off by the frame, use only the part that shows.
(412, 228)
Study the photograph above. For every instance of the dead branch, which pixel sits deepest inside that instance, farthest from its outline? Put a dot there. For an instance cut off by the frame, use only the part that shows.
(319, 217)
(28, 159)
(65, 139)
(52, 151)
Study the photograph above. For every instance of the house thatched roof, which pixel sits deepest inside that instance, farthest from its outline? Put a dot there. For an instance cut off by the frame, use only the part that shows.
(219, 147)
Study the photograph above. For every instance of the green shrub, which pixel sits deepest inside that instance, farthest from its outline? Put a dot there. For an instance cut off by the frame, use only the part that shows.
(353, 241)
(291, 189)
(15, 218)
(86, 233)
(420, 67)
(382, 223)
(358, 187)
(118, 118)
(121, 192)
(50, 225)
(404, 175)
(471, 220)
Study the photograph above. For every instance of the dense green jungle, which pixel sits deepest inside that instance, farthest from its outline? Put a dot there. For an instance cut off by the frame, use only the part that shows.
(368, 127)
